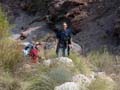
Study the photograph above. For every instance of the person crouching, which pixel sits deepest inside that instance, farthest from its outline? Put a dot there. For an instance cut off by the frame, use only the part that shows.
(34, 53)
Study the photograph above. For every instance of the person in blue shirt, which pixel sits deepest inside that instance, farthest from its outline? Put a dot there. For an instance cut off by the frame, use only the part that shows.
(63, 41)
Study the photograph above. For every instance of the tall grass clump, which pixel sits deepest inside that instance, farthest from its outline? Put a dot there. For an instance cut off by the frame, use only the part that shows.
(101, 84)
(9, 50)
(60, 74)
(80, 63)
(42, 83)
(4, 25)
(103, 60)
(9, 83)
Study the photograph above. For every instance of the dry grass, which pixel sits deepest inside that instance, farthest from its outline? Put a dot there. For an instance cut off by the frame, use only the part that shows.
(10, 54)
(101, 84)
(9, 83)
(9, 51)
(4, 25)
(104, 61)
(80, 63)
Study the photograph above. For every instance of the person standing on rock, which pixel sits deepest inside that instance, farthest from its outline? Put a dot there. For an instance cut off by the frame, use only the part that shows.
(64, 41)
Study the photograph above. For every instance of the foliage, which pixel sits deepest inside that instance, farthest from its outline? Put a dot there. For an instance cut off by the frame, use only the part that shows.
(60, 74)
(9, 50)
(4, 25)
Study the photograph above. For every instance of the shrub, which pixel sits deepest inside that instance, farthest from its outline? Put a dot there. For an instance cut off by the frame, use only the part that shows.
(60, 74)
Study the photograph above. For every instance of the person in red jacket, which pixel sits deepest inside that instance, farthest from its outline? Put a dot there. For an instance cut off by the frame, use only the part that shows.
(34, 53)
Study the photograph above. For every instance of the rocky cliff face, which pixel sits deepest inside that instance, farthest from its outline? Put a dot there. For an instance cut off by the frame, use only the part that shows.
(93, 19)
(82, 11)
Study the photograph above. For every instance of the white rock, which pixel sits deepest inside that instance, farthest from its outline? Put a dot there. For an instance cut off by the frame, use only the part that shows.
(62, 60)
(68, 86)
(65, 60)
(102, 75)
(92, 76)
(47, 62)
(82, 80)
(76, 48)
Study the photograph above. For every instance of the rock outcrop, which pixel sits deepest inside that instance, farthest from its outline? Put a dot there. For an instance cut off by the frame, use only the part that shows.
(68, 86)
(81, 82)
(80, 11)
(62, 60)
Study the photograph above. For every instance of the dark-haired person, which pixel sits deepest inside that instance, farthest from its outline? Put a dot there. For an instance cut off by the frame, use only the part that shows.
(64, 41)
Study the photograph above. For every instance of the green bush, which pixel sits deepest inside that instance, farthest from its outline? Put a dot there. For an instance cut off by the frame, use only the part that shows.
(60, 74)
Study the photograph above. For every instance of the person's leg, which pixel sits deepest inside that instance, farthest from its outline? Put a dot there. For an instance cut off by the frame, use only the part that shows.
(59, 52)
(65, 52)
(68, 51)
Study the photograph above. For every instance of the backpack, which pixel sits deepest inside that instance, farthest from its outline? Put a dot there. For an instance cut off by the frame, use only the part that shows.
(27, 49)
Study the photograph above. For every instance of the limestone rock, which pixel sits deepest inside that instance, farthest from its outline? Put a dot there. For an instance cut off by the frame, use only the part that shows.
(68, 86)
(65, 60)
(47, 62)
(61, 60)
(76, 48)
(82, 80)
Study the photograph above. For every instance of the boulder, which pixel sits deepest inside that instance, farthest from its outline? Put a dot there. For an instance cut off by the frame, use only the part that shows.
(103, 76)
(61, 60)
(47, 62)
(76, 48)
(83, 80)
(68, 86)
(65, 60)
